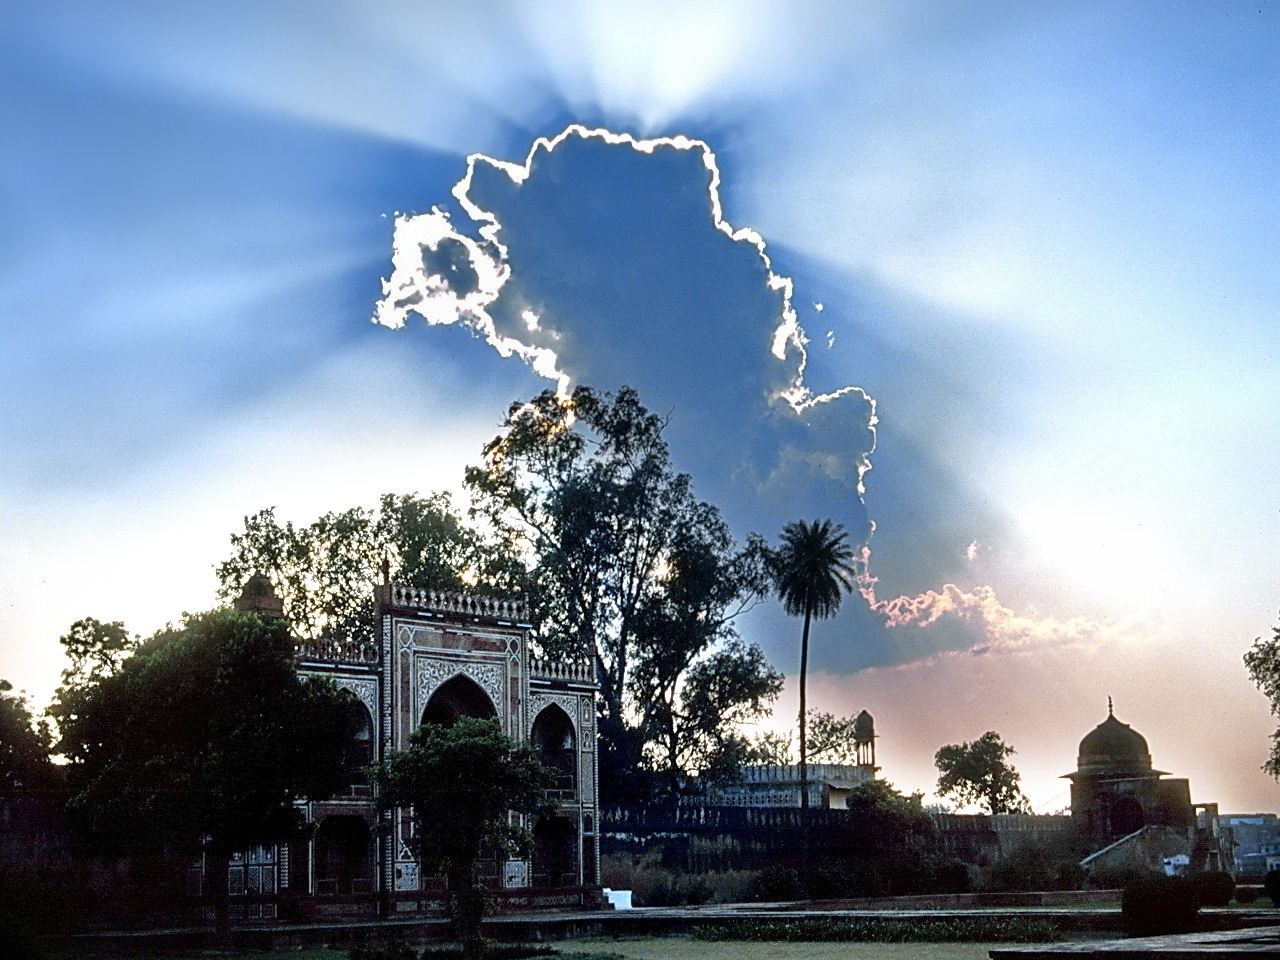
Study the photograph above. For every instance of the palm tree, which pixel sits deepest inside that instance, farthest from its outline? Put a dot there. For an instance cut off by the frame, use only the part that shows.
(811, 568)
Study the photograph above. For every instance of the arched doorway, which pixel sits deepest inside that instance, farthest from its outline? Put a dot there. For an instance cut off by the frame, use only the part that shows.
(359, 751)
(555, 852)
(457, 698)
(553, 738)
(1126, 816)
(344, 856)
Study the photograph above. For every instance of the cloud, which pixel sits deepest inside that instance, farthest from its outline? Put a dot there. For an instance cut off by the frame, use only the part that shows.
(607, 259)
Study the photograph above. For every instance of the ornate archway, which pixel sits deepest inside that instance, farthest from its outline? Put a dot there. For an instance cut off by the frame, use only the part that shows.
(457, 698)
(554, 738)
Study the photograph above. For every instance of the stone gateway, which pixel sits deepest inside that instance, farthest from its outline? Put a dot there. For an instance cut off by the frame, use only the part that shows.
(439, 656)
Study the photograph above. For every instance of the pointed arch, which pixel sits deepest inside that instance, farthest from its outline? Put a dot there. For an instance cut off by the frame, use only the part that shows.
(554, 738)
(458, 697)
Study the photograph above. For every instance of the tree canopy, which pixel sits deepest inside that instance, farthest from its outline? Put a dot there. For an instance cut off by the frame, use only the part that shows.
(204, 738)
(1263, 663)
(24, 744)
(630, 571)
(461, 783)
(325, 571)
(811, 569)
(977, 773)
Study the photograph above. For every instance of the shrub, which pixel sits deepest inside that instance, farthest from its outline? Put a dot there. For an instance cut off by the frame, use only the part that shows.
(885, 930)
(395, 950)
(678, 890)
(493, 951)
(1213, 888)
(653, 884)
(1271, 883)
(16, 941)
(952, 876)
(1246, 894)
(1159, 905)
(777, 883)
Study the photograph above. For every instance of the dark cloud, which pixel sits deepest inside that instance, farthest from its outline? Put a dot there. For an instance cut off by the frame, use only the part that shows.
(607, 260)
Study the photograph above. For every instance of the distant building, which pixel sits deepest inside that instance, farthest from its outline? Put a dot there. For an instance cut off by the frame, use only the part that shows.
(1257, 837)
(1138, 819)
(779, 785)
(1115, 790)
(438, 656)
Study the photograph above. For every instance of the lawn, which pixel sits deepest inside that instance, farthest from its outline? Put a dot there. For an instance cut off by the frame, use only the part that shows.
(680, 948)
(643, 948)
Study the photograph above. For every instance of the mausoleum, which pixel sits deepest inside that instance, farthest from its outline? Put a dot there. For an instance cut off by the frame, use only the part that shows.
(437, 656)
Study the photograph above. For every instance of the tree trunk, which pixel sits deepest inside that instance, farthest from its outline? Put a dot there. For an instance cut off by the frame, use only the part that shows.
(219, 866)
(804, 753)
(804, 676)
(468, 911)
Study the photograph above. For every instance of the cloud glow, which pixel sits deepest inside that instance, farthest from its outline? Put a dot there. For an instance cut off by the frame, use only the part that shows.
(414, 288)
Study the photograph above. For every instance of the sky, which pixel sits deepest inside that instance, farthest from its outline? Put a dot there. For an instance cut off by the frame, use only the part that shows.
(990, 284)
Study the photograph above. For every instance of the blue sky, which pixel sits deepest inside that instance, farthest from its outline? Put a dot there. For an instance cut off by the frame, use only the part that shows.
(1040, 241)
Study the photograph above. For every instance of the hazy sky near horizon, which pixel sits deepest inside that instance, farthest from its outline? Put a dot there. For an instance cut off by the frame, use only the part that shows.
(1030, 252)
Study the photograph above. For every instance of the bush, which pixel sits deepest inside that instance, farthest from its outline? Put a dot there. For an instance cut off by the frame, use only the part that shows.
(678, 890)
(952, 876)
(1246, 894)
(652, 884)
(493, 951)
(16, 941)
(777, 883)
(1159, 905)
(1213, 888)
(395, 950)
(885, 930)
(1271, 883)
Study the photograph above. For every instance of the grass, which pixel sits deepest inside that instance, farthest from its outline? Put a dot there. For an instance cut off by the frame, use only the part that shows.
(678, 948)
(885, 930)
(641, 948)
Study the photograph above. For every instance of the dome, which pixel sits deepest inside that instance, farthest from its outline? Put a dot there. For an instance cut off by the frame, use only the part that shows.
(1113, 746)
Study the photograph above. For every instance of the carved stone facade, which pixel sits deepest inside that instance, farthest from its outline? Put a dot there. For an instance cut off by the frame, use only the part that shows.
(439, 656)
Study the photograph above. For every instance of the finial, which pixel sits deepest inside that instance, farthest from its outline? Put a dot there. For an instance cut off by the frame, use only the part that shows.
(1111, 712)
(386, 569)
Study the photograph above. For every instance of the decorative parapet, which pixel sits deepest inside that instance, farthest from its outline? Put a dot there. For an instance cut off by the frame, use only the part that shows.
(445, 601)
(338, 650)
(789, 773)
(564, 670)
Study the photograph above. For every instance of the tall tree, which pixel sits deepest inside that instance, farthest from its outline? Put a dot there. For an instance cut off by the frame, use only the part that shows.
(1263, 663)
(95, 651)
(812, 569)
(24, 744)
(461, 784)
(205, 738)
(629, 569)
(325, 571)
(977, 773)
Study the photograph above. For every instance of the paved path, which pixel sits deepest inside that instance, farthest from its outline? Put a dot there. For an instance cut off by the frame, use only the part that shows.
(1222, 945)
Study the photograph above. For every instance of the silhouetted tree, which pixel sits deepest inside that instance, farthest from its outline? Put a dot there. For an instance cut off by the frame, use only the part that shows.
(204, 738)
(461, 783)
(325, 571)
(24, 744)
(812, 569)
(977, 773)
(1263, 663)
(630, 571)
(95, 651)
